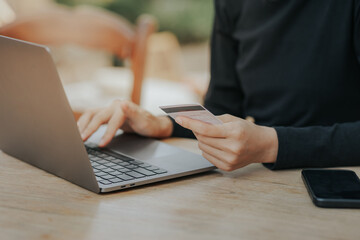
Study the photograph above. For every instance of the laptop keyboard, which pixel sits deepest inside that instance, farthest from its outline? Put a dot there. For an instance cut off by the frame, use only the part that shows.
(110, 169)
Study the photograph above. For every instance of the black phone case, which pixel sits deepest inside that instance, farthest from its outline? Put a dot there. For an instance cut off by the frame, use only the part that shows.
(328, 202)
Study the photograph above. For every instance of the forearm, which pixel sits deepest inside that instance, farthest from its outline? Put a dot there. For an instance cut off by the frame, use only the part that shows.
(318, 146)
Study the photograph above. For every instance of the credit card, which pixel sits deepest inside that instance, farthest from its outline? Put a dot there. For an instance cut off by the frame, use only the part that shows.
(193, 111)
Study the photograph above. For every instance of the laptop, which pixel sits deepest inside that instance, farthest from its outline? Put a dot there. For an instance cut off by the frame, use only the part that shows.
(37, 126)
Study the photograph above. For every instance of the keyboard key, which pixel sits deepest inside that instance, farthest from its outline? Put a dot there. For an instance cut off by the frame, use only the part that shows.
(145, 165)
(110, 164)
(106, 182)
(102, 161)
(124, 164)
(108, 170)
(115, 173)
(126, 177)
(94, 164)
(117, 161)
(144, 171)
(101, 167)
(98, 178)
(110, 158)
(115, 180)
(135, 174)
(117, 167)
(131, 166)
(152, 168)
(101, 174)
(94, 158)
(96, 153)
(107, 176)
(160, 171)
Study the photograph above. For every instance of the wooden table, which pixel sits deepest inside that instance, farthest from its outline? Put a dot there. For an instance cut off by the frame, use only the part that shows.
(250, 203)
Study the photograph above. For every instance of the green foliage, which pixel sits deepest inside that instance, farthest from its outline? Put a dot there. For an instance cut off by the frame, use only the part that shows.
(189, 20)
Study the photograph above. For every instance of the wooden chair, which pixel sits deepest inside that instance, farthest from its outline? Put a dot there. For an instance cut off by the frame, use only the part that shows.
(97, 29)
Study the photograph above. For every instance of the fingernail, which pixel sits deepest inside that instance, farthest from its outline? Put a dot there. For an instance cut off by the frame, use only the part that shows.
(178, 120)
(83, 136)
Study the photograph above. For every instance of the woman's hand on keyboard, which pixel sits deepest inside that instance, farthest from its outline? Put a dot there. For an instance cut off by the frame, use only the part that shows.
(127, 116)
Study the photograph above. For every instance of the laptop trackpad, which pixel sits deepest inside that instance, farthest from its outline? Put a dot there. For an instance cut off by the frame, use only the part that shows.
(136, 146)
(140, 147)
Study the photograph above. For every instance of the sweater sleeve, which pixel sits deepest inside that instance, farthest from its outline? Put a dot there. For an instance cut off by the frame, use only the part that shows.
(318, 146)
(179, 131)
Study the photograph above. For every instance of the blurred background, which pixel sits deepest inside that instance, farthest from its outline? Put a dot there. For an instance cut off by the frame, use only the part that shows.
(177, 51)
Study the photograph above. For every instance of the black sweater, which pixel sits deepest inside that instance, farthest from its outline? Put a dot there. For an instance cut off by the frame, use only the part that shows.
(292, 65)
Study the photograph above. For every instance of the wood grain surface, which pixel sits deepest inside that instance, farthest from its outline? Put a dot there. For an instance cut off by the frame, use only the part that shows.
(250, 203)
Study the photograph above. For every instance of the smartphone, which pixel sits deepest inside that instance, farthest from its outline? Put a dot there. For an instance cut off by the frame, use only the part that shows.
(332, 188)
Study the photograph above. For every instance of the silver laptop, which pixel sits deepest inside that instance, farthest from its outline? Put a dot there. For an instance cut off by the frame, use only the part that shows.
(37, 126)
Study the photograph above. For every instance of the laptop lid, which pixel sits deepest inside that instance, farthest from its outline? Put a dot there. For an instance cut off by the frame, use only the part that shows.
(36, 121)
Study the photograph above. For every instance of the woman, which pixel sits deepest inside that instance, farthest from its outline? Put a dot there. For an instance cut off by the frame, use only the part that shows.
(291, 65)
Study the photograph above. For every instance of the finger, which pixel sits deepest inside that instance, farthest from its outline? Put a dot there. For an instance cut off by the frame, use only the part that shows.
(225, 157)
(84, 120)
(225, 118)
(199, 127)
(99, 119)
(222, 144)
(223, 165)
(219, 164)
(115, 122)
